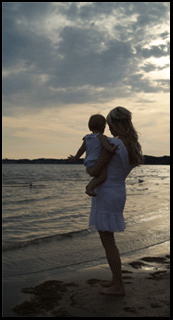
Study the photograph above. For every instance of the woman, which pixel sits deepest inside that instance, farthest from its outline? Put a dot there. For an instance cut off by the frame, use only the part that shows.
(107, 208)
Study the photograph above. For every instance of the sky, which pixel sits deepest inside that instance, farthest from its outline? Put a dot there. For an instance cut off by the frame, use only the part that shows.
(65, 61)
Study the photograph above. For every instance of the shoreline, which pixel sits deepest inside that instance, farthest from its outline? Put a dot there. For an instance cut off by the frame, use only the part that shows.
(75, 290)
(149, 160)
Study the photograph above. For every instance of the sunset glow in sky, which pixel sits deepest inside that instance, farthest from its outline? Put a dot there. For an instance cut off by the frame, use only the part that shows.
(64, 61)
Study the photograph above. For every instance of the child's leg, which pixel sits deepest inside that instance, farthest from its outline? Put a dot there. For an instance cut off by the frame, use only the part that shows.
(95, 182)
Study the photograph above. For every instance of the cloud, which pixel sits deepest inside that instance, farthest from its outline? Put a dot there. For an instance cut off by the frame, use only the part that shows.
(154, 51)
(149, 67)
(78, 58)
(84, 62)
(91, 60)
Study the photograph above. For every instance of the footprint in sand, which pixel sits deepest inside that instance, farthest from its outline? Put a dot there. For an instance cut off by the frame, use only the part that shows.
(136, 264)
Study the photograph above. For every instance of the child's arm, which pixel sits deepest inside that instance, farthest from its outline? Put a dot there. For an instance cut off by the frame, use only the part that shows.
(79, 153)
(106, 144)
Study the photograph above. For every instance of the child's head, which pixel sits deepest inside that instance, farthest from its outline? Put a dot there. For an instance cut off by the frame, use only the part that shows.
(97, 123)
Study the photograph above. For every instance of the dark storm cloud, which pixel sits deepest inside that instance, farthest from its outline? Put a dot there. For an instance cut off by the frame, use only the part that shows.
(88, 11)
(94, 54)
(147, 11)
(83, 65)
(21, 43)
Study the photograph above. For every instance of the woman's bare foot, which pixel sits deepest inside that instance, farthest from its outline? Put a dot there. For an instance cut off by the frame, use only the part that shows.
(113, 291)
(91, 193)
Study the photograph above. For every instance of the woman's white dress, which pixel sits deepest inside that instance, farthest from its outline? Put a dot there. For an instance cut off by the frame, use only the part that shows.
(107, 208)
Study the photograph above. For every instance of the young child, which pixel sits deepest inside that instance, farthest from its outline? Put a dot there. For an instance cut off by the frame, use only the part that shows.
(93, 145)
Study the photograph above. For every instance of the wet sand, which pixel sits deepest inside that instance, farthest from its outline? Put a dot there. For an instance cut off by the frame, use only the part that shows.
(75, 294)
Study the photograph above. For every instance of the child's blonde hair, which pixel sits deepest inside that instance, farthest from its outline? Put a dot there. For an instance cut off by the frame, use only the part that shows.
(119, 121)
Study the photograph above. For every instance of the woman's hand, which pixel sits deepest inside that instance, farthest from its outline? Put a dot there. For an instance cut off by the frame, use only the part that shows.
(114, 148)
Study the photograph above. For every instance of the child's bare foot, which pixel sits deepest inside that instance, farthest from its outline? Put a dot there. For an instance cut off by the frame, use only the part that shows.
(91, 193)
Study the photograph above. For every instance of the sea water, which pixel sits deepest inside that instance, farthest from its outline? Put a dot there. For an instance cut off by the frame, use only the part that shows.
(45, 215)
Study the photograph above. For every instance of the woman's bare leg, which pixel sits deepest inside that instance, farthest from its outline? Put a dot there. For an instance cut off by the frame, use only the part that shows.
(114, 261)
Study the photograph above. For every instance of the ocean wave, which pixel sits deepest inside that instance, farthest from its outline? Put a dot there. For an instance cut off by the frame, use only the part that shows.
(28, 200)
(22, 185)
(95, 260)
(58, 237)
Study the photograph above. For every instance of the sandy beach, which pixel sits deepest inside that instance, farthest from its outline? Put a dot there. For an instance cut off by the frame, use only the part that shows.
(74, 293)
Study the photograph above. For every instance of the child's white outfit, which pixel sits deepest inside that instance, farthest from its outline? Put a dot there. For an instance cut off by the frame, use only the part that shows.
(107, 208)
(93, 149)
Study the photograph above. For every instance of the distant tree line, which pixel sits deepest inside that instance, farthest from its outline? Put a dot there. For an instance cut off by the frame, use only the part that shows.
(148, 160)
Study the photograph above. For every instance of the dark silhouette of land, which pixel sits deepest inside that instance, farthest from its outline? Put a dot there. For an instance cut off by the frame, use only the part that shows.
(165, 160)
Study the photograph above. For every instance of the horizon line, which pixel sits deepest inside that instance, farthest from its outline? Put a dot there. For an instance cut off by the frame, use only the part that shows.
(67, 158)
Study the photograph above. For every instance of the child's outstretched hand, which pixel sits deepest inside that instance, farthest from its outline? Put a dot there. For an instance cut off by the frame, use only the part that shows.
(71, 158)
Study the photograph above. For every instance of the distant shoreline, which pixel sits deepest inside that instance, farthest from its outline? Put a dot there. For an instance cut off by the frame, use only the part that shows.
(165, 160)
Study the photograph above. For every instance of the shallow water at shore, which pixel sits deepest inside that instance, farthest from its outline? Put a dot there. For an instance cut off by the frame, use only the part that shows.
(49, 221)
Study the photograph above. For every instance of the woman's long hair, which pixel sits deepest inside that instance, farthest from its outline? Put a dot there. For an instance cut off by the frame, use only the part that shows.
(120, 124)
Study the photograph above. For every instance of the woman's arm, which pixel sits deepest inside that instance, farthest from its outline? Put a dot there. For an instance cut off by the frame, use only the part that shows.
(110, 147)
(102, 162)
